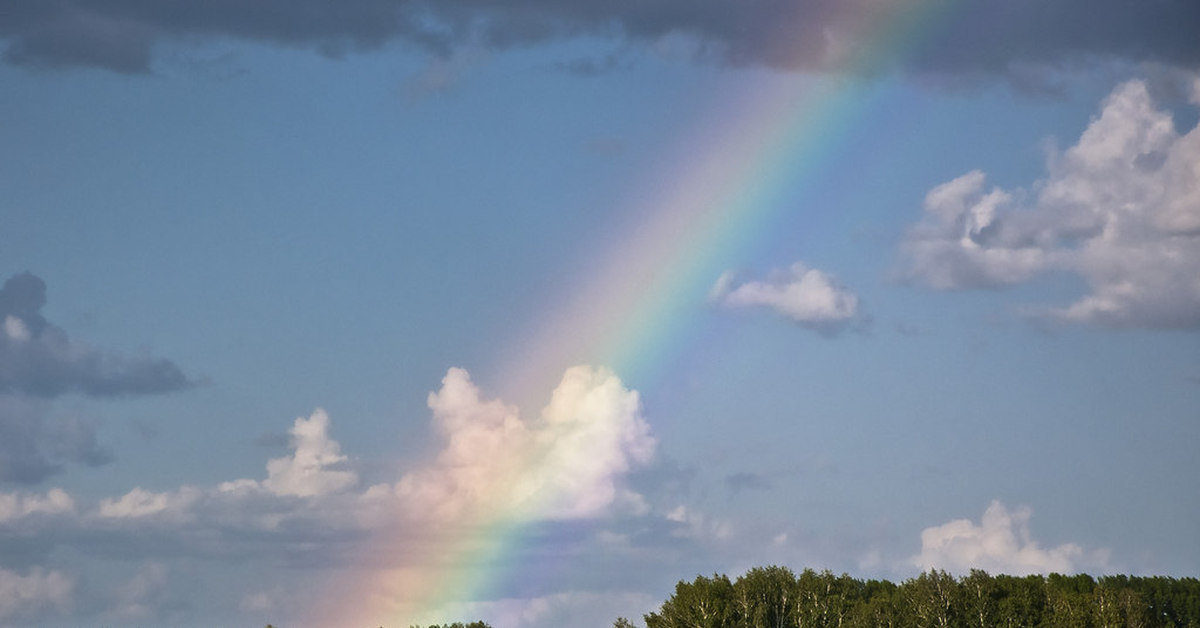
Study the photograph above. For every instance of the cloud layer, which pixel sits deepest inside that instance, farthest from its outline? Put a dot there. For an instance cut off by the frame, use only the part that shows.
(1000, 543)
(568, 464)
(987, 37)
(806, 296)
(1120, 209)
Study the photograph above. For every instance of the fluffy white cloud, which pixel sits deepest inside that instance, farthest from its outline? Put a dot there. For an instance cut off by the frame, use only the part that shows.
(38, 591)
(806, 296)
(1121, 209)
(591, 433)
(312, 469)
(1000, 543)
(565, 464)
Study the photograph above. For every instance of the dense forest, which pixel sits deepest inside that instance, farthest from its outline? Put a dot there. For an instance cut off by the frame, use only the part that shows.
(775, 597)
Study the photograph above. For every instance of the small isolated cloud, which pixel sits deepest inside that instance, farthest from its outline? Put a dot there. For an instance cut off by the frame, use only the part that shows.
(1000, 543)
(38, 359)
(806, 296)
(1120, 209)
(35, 593)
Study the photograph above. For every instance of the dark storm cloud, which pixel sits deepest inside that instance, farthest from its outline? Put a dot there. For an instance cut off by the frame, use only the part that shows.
(979, 37)
(39, 359)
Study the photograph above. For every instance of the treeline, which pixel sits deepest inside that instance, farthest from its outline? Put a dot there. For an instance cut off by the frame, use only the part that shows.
(775, 597)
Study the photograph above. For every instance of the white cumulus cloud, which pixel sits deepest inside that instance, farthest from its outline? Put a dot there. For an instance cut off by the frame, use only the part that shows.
(1000, 543)
(567, 463)
(1120, 209)
(806, 296)
(313, 467)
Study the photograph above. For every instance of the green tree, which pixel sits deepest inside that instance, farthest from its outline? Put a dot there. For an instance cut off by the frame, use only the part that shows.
(702, 603)
(979, 599)
(1021, 601)
(774, 597)
(929, 599)
(1069, 601)
(826, 599)
(765, 597)
(876, 606)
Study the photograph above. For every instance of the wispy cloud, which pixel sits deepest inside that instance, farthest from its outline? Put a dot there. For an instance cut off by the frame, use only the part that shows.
(38, 592)
(36, 444)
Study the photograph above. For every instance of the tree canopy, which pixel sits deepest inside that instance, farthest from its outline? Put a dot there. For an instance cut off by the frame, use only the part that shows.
(776, 597)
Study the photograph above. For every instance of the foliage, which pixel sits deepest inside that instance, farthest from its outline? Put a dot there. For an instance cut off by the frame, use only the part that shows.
(776, 597)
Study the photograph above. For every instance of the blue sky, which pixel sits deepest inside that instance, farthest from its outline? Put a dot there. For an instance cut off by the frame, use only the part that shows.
(266, 271)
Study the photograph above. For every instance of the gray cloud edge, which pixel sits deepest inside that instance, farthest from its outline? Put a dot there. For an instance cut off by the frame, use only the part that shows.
(987, 37)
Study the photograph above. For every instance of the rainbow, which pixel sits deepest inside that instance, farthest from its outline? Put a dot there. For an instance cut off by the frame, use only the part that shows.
(721, 198)
(634, 312)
